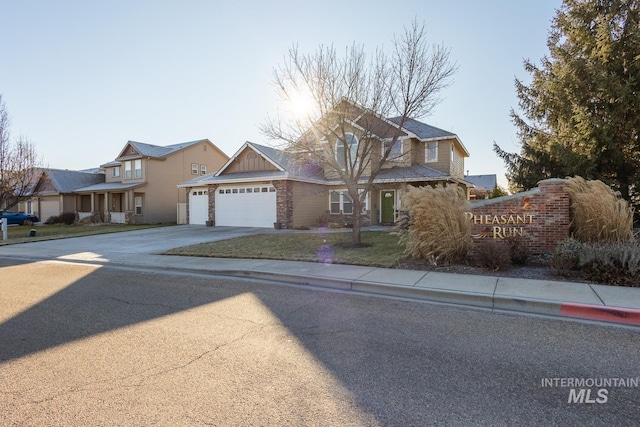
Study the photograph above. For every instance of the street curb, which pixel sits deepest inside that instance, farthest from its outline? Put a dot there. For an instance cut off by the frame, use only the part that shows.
(599, 313)
(622, 315)
(606, 314)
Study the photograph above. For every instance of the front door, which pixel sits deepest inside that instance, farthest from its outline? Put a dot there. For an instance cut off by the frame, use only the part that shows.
(387, 206)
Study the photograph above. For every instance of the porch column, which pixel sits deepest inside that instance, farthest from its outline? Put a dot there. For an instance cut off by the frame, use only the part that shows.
(107, 208)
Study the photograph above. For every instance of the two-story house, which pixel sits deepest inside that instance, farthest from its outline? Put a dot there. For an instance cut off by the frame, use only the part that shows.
(140, 184)
(261, 186)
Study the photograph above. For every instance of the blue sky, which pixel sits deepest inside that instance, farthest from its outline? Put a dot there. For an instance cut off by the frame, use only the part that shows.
(81, 78)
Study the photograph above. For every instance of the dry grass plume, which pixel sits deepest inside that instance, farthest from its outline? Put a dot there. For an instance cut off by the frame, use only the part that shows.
(598, 214)
(438, 230)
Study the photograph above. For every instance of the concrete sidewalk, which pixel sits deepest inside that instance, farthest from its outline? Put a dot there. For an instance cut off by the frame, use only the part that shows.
(141, 249)
(567, 299)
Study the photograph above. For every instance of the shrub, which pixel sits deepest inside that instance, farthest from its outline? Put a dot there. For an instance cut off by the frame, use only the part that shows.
(566, 257)
(614, 264)
(611, 263)
(598, 214)
(53, 220)
(67, 218)
(494, 255)
(518, 249)
(437, 228)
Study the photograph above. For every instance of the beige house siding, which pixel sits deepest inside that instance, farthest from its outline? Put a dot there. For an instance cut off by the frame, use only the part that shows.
(457, 163)
(443, 164)
(310, 202)
(161, 194)
(249, 161)
(108, 174)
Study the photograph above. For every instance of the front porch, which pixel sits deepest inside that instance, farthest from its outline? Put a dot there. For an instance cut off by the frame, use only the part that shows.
(113, 203)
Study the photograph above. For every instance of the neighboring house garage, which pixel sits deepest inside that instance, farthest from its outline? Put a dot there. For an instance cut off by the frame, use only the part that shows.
(198, 206)
(246, 206)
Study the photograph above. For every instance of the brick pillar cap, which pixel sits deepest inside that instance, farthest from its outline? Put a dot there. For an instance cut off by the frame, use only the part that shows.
(552, 181)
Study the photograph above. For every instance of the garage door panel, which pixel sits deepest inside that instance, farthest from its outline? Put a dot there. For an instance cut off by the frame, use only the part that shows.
(198, 206)
(246, 207)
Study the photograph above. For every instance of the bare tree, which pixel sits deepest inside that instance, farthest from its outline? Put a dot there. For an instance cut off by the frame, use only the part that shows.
(346, 131)
(20, 171)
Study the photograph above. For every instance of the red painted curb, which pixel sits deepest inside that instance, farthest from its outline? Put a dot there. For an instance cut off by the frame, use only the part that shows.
(608, 314)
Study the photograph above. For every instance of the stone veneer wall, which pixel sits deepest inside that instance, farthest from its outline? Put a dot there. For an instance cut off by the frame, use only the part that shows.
(211, 189)
(284, 203)
(540, 215)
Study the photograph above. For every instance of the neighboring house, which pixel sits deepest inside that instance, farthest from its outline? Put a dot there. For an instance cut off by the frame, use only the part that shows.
(140, 184)
(484, 185)
(55, 193)
(264, 187)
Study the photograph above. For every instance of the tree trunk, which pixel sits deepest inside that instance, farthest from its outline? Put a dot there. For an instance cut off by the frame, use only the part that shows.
(356, 237)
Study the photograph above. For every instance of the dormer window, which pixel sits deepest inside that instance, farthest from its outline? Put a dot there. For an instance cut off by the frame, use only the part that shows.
(347, 151)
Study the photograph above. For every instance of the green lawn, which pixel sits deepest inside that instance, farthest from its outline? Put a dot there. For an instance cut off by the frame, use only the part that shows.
(380, 249)
(20, 234)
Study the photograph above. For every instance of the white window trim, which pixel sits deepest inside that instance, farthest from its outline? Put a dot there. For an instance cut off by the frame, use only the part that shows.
(354, 161)
(343, 192)
(127, 170)
(203, 169)
(194, 169)
(426, 150)
(136, 205)
(137, 170)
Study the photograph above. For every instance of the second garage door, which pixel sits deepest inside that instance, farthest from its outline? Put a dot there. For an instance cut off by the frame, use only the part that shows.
(244, 206)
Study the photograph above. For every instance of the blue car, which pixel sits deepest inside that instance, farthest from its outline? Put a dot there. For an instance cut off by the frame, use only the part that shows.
(19, 218)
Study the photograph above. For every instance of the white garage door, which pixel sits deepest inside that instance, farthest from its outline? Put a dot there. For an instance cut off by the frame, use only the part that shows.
(198, 206)
(244, 206)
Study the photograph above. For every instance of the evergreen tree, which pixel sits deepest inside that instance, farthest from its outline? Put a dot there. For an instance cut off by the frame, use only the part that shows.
(581, 111)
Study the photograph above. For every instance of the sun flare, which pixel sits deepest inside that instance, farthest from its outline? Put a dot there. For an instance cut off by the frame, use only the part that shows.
(301, 105)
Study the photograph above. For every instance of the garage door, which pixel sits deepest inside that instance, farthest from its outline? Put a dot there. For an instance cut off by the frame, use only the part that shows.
(198, 206)
(49, 206)
(244, 206)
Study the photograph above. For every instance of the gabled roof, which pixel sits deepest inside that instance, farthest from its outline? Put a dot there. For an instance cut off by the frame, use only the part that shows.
(66, 181)
(285, 163)
(156, 151)
(483, 182)
(427, 132)
(423, 130)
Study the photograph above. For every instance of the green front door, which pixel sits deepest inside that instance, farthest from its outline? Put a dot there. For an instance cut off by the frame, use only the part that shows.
(387, 206)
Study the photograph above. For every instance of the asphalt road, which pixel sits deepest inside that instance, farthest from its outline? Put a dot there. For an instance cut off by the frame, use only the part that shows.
(90, 345)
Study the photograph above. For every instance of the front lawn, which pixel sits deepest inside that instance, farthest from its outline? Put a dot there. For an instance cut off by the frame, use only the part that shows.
(21, 234)
(379, 248)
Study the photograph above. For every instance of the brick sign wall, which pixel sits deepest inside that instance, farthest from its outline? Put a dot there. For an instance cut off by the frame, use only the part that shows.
(540, 216)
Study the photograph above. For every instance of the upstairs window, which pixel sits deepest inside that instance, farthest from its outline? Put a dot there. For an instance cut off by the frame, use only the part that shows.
(115, 172)
(127, 169)
(194, 169)
(138, 168)
(396, 150)
(203, 169)
(431, 152)
(347, 151)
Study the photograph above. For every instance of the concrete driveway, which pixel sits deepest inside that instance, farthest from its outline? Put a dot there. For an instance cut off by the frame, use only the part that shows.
(122, 247)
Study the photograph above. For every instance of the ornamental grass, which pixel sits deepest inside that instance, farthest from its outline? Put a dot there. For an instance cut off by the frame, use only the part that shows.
(598, 214)
(438, 231)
